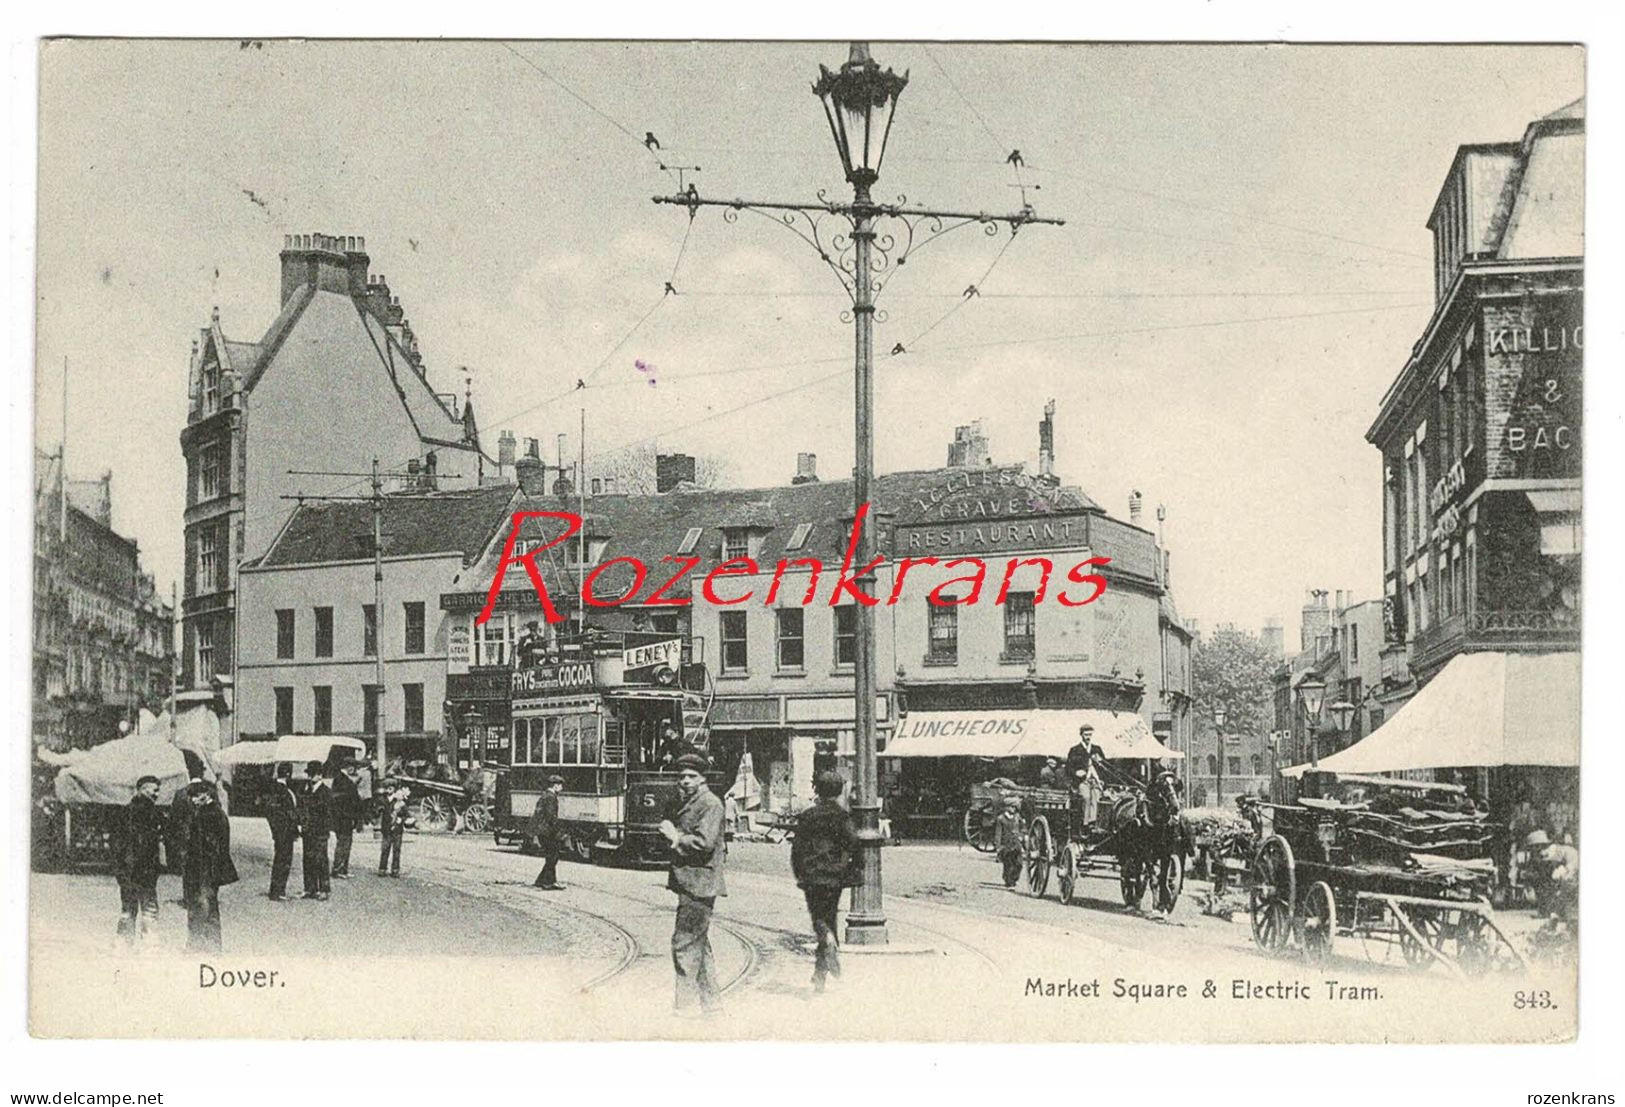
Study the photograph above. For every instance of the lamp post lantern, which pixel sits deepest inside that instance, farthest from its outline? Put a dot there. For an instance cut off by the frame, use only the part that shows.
(1311, 695)
(1342, 714)
(859, 100)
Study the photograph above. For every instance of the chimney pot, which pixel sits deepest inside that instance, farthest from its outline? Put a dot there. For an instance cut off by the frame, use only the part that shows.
(806, 469)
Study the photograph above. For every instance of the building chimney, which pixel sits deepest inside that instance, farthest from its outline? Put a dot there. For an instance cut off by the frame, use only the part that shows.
(1273, 638)
(507, 450)
(806, 469)
(563, 485)
(969, 449)
(532, 474)
(1134, 504)
(1317, 620)
(533, 448)
(1046, 443)
(672, 470)
(330, 263)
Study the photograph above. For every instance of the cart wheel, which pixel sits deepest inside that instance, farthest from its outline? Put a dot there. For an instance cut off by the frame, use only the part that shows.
(1040, 854)
(977, 830)
(1318, 926)
(1478, 949)
(1417, 955)
(434, 813)
(477, 817)
(1168, 880)
(1271, 894)
(1066, 872)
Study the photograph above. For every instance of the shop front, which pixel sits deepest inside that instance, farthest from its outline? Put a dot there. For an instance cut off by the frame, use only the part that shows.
(477, 716)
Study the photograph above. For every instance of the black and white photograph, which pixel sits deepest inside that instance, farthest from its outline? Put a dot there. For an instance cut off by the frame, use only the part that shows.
(891, 540)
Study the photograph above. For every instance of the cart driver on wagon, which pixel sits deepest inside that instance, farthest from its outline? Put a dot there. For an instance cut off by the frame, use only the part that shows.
(1082, 773)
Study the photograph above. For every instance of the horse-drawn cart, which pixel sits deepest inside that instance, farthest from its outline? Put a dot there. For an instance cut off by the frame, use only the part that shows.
(1138, 833)
(1409, 868)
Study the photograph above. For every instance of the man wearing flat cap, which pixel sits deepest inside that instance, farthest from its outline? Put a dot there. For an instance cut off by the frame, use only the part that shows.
(698, 852)
(544, 827)
(135, 861)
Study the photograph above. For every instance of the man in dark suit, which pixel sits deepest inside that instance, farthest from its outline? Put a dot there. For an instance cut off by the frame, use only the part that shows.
(544, 827)
(135, 862)
(315, 824)
(346, 817)
(824, 858)
(282, 816)
(208, 866)
(698, 853)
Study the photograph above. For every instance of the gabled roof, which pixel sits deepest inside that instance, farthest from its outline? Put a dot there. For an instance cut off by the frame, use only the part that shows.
(275, 333)
(459, 522)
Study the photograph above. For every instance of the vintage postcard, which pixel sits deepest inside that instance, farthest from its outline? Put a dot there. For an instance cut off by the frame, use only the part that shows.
(585, 540)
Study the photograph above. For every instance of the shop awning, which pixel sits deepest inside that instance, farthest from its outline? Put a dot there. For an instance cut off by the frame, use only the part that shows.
(1482, 710)
(1119, 734)
(296, 748)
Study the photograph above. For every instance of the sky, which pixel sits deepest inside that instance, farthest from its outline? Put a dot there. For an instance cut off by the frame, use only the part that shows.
(1243, 269)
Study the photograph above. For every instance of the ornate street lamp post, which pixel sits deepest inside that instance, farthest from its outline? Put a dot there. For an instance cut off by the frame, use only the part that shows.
(1342, 714)
(1311, 695)
(859, 100)
(1218, 765)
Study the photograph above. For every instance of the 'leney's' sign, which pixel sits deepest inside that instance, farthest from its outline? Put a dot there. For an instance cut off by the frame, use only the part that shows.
(655, 653)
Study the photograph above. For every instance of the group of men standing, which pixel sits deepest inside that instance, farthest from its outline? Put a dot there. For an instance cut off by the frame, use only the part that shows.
(328, 805)
(199, 837)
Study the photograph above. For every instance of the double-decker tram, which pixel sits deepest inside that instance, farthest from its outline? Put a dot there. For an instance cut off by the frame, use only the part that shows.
(609, 714)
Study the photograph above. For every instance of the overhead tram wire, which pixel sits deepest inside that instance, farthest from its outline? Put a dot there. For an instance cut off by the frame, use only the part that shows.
(588, 104)
(700, 294)
(973, 291)
(976, 346)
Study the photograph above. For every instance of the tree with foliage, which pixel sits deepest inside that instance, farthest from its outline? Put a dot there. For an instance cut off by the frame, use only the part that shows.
(1230, 671)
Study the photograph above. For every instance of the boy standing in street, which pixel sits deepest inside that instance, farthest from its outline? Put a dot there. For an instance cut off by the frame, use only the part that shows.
(824, 858)
(391, 829)
(1007, 840)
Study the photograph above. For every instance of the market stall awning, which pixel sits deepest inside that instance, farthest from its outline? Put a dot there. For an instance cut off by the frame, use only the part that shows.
(1039, 733)
(294, 748)
(1482, 710)
(107, 773)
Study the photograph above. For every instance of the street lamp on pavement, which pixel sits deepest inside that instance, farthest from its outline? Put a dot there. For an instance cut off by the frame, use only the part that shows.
(1218, 764)
(1342, 714)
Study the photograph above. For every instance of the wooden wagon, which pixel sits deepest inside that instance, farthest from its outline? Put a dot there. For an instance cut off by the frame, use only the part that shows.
(1410, 870)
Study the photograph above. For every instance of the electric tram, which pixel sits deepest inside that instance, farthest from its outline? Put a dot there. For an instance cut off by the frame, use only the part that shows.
(609, 714)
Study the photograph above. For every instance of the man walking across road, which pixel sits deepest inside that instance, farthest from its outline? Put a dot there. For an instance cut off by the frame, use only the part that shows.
(824, 858)
(698, 853)
(544, 827)
(1007, 840)
(208, 867)
(135, 860)
(346, 817)
(315, 823)
(282, 816)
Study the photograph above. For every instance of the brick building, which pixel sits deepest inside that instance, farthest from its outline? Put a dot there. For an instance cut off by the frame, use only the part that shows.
(335, 381)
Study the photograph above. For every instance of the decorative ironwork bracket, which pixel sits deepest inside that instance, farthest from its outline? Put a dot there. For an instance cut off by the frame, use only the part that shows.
(899, 231)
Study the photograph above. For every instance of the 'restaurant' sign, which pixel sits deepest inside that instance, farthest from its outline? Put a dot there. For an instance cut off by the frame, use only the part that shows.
(654, 653)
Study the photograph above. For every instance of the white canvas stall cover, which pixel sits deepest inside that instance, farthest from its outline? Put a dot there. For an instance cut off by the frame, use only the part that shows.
(107, 773)
(294, 748)
(1482, 710)
(1040, 733)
